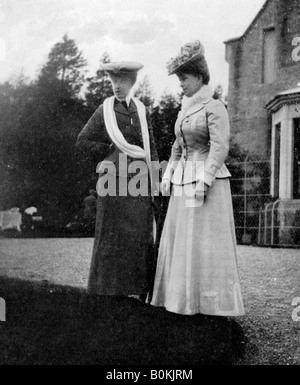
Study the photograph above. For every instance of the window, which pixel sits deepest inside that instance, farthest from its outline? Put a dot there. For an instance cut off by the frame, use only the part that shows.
(269, 56)
(277, 159)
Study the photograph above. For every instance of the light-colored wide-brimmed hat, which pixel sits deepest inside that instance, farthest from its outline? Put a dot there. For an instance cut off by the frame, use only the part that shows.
(122, 67)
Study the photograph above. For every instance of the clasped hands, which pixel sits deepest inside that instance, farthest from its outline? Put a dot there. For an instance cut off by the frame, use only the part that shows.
(200, 192)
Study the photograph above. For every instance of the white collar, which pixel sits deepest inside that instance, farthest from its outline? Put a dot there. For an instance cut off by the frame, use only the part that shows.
(200, 96)
(127, 99)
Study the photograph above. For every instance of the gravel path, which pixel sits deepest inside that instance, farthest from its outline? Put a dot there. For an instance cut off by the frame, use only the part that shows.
(63, 261)
(270, 281)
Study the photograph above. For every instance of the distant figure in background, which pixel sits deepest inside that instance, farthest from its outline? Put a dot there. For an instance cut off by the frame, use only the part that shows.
(30, 210)
(89, 211)
(28, 225)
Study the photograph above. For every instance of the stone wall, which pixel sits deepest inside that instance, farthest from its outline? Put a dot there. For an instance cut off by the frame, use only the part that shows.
(247, 94)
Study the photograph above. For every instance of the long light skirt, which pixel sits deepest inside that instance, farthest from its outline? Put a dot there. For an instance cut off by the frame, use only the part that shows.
(197, 262)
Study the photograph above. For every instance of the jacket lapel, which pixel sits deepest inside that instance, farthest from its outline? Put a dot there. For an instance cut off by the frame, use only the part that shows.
(192, 110)
(132, 109)
(197, 102)
(120, 109)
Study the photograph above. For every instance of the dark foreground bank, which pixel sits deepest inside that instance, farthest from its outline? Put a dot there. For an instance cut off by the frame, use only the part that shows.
(49, 324)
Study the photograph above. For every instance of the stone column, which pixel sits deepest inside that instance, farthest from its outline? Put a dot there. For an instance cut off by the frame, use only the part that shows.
(286, 156)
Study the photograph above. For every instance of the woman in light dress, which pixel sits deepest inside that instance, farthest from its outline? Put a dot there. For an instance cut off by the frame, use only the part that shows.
(197, 263)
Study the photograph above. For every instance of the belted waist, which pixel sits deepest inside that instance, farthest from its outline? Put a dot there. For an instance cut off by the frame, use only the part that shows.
(190, 169)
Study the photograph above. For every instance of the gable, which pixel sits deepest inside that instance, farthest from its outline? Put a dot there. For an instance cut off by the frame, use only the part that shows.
(254, 22)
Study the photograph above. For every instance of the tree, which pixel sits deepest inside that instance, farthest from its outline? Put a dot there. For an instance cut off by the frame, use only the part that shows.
(64, 68)
(144, 93)
(99, 87)
(47, 132)
(14, 97)
(163, 121)
(39, 124)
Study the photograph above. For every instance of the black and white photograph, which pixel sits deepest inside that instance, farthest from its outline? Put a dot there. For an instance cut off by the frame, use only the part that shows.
(150, 185)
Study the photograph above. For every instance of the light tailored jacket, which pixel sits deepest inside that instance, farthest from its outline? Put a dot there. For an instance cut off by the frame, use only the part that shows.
(202, 141)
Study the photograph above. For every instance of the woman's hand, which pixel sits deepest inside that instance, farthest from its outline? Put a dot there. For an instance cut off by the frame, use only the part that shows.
(165, 187)
(201, 190)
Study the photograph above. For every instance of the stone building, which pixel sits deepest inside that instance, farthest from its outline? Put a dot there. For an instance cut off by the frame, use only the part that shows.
(264, 109)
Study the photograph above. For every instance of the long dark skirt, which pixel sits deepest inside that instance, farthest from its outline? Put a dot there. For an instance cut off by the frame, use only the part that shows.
(123, 253)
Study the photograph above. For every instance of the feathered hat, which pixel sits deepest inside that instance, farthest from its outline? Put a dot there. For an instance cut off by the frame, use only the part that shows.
(189, 53)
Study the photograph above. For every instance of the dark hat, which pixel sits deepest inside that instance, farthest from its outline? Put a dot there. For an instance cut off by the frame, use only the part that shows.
(189, 54)
(122, 67)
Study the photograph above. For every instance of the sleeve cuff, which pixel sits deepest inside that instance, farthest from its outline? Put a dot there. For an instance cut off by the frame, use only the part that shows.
(208, 178)
(168, 172)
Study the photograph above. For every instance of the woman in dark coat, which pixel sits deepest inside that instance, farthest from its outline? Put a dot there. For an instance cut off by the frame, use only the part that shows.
(119, 132)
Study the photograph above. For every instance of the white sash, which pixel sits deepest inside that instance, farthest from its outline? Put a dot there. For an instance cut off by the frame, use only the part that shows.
(117, 137)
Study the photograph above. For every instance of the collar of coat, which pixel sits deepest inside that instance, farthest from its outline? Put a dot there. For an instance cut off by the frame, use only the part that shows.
(119, 108)
(196, 102)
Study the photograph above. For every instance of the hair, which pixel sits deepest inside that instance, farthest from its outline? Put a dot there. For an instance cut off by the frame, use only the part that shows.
(198, 67)
(132, 76)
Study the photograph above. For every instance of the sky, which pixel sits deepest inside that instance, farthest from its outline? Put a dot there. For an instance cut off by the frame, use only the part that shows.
(148, 31)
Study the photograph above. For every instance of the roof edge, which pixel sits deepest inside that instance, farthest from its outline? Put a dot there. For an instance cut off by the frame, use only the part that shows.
(233, 39)
(280, 99)
(264, 6)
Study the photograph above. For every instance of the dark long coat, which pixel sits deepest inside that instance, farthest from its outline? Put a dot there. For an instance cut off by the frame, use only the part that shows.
(123, 253)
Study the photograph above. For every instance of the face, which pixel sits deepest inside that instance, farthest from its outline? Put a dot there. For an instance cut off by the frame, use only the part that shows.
(190, 84)
(121, 86)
